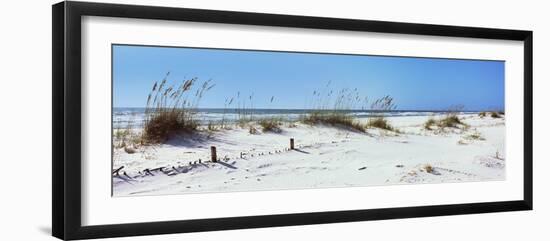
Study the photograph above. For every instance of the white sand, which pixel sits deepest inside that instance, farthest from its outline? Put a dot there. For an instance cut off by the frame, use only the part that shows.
(325, 157)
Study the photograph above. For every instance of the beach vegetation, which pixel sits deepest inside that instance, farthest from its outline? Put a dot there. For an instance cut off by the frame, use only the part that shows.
(381, 107)
(270, 124)
(123, 137)
(242, 122)
(171, 110)
(212, 127)
(495, 114)
(252, 130)
(450, 120)
(333, 108)
(428, 168)
(475, 136)
(379, 122)
(228, 102)
(430, 123)
(244, 108)
(333, 118)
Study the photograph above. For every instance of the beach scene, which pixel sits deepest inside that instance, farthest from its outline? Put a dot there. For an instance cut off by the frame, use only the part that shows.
(198, 120)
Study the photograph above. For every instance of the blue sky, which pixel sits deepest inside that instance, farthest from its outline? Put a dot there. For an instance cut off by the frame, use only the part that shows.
(415, 83)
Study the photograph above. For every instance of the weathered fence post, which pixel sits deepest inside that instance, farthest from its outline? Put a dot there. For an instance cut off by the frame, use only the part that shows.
(213, 153)
(291, 143)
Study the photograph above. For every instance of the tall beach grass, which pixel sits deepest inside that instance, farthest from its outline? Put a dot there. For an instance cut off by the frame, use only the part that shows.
(171, 110)
(449, 120)
(381, 107)
(335, 108)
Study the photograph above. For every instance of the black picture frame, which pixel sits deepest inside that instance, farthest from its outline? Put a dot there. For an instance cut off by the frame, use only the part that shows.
(66, 157)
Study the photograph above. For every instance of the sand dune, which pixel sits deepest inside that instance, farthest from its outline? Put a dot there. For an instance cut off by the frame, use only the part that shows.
(324, 157)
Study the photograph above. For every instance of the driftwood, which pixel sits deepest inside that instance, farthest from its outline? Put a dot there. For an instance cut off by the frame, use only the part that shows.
(118, 173)
(115, 172)
(126, 175)
(148, 172)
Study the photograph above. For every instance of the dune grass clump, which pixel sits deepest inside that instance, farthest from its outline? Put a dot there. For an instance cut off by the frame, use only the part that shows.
(333, 118)
(121, 137)
(429, 123)
(333, 108)
(379, 122)
(270, 125)
(163, 125)
(171, 110)
(125, 137)
(381, 107)
(252, 130)
(213, 127)
(273, 123)
(495, 114)
(429, 168)
(475, 136)
(242, 122)
(492, 114)
(451, 120)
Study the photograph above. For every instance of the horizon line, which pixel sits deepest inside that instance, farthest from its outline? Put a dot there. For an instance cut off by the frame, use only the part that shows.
(396, 110)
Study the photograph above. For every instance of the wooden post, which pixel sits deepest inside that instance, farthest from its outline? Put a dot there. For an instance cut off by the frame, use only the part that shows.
(291, 143)
(213, 153)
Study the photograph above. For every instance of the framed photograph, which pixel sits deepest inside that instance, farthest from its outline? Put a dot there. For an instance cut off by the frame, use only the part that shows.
(170, 120)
